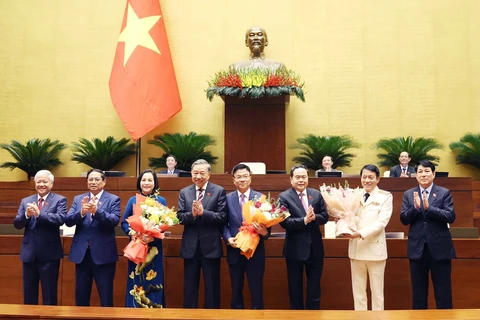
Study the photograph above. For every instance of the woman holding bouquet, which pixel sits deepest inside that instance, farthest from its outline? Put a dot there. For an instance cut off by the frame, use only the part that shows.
(148, 275)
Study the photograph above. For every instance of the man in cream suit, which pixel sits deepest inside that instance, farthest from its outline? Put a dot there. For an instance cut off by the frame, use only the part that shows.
(367, 248)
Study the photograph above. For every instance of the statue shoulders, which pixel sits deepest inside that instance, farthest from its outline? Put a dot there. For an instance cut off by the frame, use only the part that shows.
(257, 64)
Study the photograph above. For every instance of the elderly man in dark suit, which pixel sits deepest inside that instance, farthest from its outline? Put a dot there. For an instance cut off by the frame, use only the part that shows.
(238, 264)
(41, 215)
(202, 211)
(303, 240)
(94, 250)
(428, 209)
(402, 170)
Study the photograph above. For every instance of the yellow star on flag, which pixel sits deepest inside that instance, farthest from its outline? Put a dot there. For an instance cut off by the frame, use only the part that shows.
(136, 33)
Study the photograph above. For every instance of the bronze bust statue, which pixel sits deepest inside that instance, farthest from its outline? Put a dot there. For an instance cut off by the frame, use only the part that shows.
(256, 40)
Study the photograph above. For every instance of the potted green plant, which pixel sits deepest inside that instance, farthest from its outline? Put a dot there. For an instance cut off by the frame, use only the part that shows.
(35, 155)
(418, 149)
(314, 148)
(468, 149)
(103, 154)
(185, 147)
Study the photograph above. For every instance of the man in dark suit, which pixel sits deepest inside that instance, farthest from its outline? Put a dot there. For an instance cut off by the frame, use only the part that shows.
(171, 165)
(94, 250)
(238, 264)
(428, 209)
(402, 170)
(41, 215)
(202, 211)
(303, 247)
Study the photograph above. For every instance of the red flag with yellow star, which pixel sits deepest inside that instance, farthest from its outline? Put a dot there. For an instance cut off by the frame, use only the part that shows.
(142, 84)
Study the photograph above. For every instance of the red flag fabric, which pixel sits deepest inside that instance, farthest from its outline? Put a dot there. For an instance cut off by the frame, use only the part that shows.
(142, 84)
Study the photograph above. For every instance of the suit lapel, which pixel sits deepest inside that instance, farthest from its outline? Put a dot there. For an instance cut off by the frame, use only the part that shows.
(207, 195)
(296, 199)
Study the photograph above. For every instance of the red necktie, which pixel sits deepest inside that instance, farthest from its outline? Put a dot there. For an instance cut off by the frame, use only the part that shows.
(40, 204)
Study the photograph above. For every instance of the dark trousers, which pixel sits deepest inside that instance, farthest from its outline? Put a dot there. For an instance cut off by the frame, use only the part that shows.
(313, 267)
(255, 271)
(45, 272)
(441, 271)
(211, 280)
(103, 274)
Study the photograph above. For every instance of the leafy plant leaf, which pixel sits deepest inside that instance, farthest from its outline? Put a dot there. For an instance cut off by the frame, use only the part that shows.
(467, 149)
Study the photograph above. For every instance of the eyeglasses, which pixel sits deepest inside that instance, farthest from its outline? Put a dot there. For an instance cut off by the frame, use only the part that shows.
(244, 177)
(94, 179)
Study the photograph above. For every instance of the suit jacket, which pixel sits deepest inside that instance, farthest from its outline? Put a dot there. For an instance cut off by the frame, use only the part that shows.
(166, 171)
(374, 216)
(205, 229)
(97, 232)
(41, 239)
(299, 238)
(429, 226)
(396, 171)
(234, 222)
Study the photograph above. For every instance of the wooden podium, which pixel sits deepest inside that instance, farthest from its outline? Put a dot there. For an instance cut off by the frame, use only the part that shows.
(255, 131)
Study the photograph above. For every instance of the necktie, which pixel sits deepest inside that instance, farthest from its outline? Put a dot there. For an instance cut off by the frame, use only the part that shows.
(302, 201)
(242, 200)
(40, 204)
(365, 197)
(404, 170)
(200, 195)
(425, 192)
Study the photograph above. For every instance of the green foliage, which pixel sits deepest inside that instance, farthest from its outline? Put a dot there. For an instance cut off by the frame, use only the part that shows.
(418, 149)
(468, 149)
(187, 148)
(36, 155)
(102, 154)
(314, 148)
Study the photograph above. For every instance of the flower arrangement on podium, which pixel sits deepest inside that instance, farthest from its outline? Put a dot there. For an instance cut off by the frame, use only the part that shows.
(255, 83)
(149, 218)
(264, 210)
(342, 203)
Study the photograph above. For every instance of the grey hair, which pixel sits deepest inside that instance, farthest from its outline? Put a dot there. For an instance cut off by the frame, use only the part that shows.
(44, 173)
(201, 161)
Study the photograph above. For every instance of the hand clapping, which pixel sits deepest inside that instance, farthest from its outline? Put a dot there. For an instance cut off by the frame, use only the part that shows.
(197, 208)
(417, 202)
(310, 215)
(32, 209)
(88, 206)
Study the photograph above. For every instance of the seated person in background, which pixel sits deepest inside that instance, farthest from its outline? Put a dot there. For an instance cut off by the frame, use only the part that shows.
(256, 40)
(402, 170)
(327, 163)
(171, 164)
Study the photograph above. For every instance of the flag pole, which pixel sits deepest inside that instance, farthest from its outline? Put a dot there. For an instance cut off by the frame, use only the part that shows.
(139, 152)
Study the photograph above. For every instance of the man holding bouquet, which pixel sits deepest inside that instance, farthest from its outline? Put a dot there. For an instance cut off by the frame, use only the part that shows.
(303, 247)
(238, 264)
(367, 248)
(202, 211)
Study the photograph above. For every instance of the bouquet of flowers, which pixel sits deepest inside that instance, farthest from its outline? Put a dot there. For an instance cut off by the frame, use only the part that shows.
(263, 210)
(149, 218)
(341, 203)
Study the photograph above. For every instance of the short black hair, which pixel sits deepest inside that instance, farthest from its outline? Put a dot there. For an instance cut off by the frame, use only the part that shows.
(240, 166)
(371, 167)
(171, 156)
(155, 179)
(297, 166)
(96, 170)
(425, 164)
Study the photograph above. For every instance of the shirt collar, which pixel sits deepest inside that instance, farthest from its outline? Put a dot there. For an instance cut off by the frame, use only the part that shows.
(246, 193)
(44, 197)
(204, 187)
(99, 195)
(429, 189)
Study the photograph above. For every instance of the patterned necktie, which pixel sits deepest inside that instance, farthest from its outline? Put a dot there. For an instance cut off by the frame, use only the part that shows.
(242, 200)
(200, 195)
(365, 197)
(302, 201)
(40, 204)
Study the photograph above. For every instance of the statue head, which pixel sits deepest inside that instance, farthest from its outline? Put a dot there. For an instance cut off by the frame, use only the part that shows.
(256, 40)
